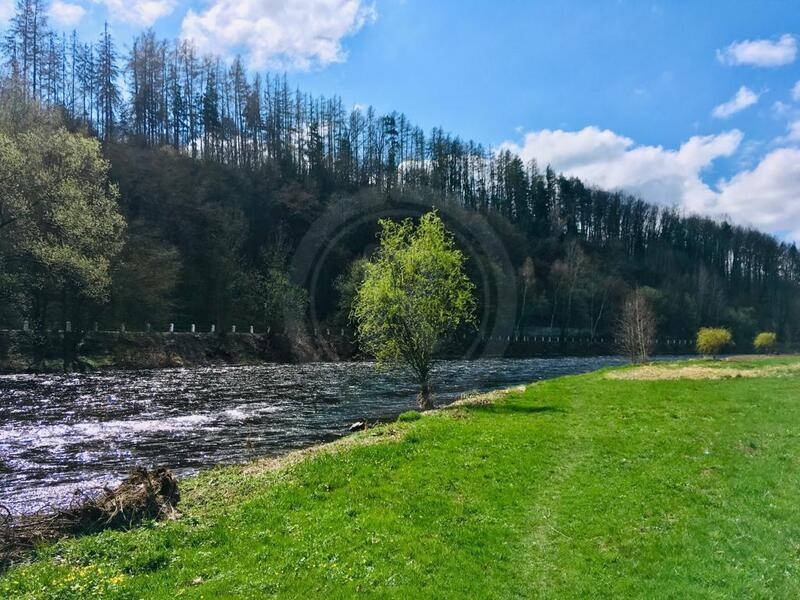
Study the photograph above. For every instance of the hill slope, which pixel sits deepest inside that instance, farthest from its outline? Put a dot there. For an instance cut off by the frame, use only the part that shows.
(225, 174)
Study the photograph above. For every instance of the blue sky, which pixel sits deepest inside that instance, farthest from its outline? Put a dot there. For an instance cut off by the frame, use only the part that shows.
(686, 103)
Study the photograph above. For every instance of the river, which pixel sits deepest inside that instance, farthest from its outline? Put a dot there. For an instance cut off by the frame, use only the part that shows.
(62, 433)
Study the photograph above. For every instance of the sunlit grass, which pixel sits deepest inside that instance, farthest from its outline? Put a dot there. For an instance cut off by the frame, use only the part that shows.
(577, 487)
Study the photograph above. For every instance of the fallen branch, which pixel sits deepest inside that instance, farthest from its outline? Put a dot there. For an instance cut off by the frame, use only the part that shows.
(143, 495)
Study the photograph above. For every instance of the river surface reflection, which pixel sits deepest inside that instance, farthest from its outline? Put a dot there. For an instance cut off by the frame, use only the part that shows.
(61, 433)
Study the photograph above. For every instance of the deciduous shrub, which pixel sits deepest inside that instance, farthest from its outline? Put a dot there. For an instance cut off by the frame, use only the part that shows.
(710, 340)
(637, 327)
(766, 341)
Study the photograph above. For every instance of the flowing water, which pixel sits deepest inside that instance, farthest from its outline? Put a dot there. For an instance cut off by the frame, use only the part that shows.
(62, 433)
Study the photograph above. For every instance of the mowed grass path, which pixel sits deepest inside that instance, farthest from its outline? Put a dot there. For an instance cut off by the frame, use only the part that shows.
(579, 487)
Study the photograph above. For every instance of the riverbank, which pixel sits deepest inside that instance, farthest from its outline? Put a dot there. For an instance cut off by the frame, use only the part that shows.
(623, 482)
(87, 351)
(54, 351)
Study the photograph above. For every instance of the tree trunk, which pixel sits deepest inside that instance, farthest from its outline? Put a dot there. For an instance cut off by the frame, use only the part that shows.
(425, 396)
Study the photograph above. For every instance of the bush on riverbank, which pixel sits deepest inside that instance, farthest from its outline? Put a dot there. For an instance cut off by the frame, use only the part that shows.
(766, 342)
(711, 340)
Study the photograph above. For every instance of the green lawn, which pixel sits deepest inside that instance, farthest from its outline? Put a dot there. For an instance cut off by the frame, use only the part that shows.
(577, 487)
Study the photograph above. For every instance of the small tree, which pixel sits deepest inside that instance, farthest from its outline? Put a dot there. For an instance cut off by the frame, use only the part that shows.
(413, 294)
(766, 341)
(711, 340)
(637, 327)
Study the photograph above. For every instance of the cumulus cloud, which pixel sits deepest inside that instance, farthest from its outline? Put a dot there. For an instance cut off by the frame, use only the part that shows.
(6, 10)
(138, 12)
(796, 92)
(66, 14)
(760, 53)
(767, 196)
(293, 34)
(780, 109)
(611, 161)
(744, 98)
(792, 137)
(794, 131)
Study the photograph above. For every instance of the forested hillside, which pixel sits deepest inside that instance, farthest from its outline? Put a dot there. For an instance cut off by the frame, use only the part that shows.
(219, 174)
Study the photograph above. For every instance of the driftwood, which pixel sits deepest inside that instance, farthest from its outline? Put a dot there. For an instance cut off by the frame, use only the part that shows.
(143, 495)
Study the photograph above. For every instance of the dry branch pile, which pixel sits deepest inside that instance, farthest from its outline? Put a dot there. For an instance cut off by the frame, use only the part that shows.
(143, 495)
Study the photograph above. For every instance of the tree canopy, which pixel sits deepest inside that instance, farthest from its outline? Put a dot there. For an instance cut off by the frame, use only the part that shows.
(414, 293)
(61, 225)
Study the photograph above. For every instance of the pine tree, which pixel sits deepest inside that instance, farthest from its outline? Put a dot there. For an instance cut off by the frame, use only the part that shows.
(107, 74)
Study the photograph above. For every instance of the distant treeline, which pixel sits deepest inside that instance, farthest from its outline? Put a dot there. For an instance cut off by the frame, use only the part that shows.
(222, 172)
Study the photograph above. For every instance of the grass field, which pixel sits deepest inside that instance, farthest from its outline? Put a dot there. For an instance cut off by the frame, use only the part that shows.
(612, 484)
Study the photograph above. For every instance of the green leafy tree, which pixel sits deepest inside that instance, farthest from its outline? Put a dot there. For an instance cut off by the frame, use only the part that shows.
(711, 340)
(11, 198)
(414, 293)
(285, 303)
(272, 299)
(62, 225)
(347, 286)
(766, 341)
(145, 277)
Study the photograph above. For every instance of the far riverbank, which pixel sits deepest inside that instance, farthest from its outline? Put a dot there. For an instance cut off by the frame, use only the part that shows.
(56, 351)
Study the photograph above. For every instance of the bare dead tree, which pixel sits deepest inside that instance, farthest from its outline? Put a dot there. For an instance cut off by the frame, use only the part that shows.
(637, 327)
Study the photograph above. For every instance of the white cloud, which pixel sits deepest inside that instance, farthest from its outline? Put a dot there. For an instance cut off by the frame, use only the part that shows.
(794, 131)
(768, 196)
(66, 14)
(611, 161)
(796, 92)
(294, 34)
(744, 98)
(760, 53)
(780, 109)
(138, 12)
(6, 10)
(792, 137)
